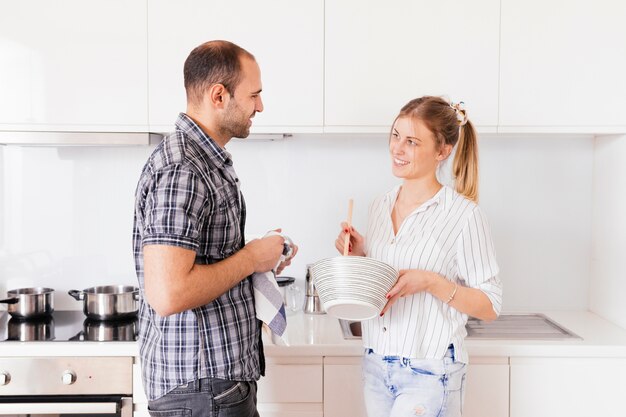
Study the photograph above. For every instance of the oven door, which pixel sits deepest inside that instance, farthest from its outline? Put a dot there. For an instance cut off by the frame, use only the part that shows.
(66, 406)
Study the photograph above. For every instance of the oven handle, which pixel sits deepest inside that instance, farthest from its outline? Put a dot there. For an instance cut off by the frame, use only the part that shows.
(59, 408)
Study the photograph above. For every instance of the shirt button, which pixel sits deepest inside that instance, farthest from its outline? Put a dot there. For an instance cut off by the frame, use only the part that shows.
(392, 241)
(384, 329)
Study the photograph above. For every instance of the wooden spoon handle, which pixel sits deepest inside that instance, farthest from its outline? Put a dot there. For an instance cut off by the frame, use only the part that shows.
(346, 242)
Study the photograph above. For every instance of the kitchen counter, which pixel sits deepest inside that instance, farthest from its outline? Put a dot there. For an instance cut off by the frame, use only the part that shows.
(320, 335)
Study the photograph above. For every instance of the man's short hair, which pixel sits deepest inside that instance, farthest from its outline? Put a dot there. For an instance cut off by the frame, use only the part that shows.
(213, 62)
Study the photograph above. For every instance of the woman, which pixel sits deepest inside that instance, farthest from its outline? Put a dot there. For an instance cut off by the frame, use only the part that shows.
(439, 240)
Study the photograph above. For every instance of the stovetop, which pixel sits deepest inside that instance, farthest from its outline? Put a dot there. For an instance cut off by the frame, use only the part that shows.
(66, 326)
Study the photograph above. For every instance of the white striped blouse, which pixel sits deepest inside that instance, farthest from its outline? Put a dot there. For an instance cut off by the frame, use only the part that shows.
(449, 235)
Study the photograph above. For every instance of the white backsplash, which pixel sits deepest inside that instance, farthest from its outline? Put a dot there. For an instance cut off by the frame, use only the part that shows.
(609, 226)
(66, 212)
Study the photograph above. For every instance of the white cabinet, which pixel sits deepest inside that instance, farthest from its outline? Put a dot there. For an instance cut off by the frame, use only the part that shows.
(292, 387)
(140, 401)
(573, 387)
(487, 387)
(562, 66)
(486, 395)
(379, 55)
(286, 38)
(343, 387)
(73, 65)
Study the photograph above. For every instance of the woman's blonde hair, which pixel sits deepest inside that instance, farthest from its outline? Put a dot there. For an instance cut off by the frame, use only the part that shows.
(450, 126)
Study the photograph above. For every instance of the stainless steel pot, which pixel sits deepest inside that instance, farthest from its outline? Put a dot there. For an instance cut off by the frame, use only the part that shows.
(28, 303)
(108, 330)
(31, 330)
(108, 302)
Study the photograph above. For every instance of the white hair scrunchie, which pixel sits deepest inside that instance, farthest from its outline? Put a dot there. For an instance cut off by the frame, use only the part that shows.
(461, 114)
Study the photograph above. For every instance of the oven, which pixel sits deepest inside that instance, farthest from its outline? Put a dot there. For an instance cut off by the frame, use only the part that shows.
(68, 386)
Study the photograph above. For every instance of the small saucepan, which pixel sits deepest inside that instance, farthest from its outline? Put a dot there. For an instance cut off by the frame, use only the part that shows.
(28, 303)
(38, 329)
(108, 302)
(124, 330)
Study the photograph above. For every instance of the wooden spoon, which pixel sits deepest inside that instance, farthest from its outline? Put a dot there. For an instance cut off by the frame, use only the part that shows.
(346, 242)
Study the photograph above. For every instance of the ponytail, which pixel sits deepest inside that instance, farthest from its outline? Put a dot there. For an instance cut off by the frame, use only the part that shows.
(465, 165)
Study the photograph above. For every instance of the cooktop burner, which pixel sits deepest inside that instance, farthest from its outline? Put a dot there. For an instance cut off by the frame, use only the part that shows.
(66, 326)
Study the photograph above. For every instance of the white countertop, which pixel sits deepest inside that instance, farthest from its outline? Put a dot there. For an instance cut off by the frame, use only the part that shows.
(320, 335)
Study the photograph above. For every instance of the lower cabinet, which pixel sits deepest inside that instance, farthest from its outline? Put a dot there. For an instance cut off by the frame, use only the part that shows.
(292, 387)
(486, 395)
(140, 401)
(539, 387)
(572, 387)
(343, 387)
(487, 387)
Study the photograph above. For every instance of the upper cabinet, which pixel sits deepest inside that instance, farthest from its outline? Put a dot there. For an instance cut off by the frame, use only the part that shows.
(73, 65)
(562, 66)
(286, 37)
(379, 55)
(111, 66)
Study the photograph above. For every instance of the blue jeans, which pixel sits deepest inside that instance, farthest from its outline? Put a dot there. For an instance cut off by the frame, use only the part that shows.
(208, 397)
(402, 387)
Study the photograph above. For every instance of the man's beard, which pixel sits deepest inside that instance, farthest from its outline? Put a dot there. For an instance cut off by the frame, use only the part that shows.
(235, 123)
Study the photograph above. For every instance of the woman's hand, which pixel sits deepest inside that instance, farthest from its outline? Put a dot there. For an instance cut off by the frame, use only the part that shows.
(357, 242)
(410, 281)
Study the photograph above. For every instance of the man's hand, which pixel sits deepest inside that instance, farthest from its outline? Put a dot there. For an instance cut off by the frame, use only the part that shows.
(265, 253)
(284, 264)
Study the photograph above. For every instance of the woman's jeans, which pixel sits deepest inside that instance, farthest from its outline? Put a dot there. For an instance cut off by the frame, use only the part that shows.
(208, 397)
(401, 387)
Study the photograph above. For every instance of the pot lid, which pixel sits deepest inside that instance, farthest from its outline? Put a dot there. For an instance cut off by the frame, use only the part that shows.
(284, 281)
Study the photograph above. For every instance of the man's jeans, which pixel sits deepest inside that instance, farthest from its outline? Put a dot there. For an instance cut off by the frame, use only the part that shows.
(208, 397)
(401, 387)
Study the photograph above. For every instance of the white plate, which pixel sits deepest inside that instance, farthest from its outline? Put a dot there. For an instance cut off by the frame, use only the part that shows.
(353, 310)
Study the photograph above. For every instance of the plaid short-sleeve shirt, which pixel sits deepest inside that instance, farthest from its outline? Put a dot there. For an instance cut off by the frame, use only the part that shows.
(188, 196)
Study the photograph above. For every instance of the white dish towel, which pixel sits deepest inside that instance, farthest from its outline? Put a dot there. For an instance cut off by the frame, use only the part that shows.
(268, 300)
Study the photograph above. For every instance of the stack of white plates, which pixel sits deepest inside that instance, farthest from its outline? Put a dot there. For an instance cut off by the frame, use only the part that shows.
(353, 287)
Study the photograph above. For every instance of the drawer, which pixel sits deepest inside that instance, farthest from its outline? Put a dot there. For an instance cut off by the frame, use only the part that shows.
(292, 382)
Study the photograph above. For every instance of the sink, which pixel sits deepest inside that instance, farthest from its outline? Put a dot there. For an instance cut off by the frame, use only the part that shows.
(351, 329)
(507, 326)
(518, 326)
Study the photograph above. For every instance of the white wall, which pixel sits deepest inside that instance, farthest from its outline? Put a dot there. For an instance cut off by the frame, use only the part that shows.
(66, 213)
(608, 284)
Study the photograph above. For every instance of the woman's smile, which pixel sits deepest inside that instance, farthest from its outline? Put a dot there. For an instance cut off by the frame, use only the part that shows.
(400, 162)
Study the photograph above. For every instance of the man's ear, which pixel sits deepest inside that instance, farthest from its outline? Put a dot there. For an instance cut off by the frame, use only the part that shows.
(217, 95)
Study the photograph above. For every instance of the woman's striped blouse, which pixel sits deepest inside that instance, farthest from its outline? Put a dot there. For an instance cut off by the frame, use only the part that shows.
(448, 235)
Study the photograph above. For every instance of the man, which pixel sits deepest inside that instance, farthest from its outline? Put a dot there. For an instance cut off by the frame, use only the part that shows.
(200, 342)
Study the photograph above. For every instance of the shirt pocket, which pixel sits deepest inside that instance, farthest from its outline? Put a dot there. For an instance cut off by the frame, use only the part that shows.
(225, 233)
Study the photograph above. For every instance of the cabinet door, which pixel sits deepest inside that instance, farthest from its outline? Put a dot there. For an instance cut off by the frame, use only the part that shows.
(573, 387)
(290, 410)
(286, 38)
(379, 55)
(292, 387)
(487, 387)
(343, 387)
(486, 395)
(563, 65)
(73, 65)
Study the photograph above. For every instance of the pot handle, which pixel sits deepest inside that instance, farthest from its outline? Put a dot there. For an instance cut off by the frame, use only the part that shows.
(79, 336)
(77, 295)
(13, 300)
(136, 296)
